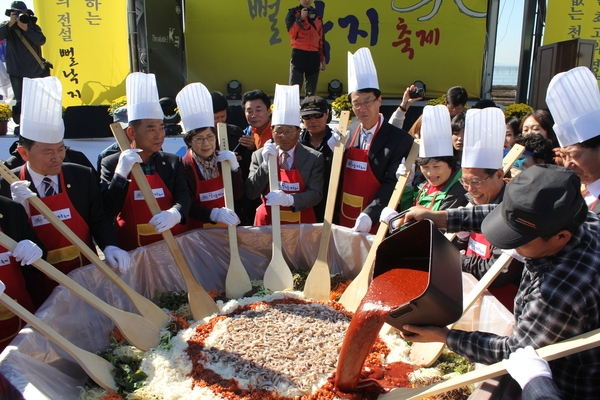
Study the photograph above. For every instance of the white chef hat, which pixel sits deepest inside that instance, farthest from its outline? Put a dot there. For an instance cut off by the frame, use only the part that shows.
(361, 71)
(574, 102)
(286, 105)
(195, 107)
(436, 132)
(485, 130)
(41, 110)
(142, 97)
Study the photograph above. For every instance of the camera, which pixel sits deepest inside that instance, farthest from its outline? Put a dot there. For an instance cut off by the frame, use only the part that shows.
(416, 93)
(312, 12)
(24, 18)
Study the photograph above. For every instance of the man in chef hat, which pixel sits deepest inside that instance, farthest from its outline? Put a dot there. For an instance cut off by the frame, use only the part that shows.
(574, 101)
(70, 190)
(374, 150)
(164, 172)
(300, 168)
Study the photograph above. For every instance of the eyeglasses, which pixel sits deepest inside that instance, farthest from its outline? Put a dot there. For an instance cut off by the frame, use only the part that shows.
(311, 116)
(200, 140)
(288, 132)
(473, 183)
(366, 104)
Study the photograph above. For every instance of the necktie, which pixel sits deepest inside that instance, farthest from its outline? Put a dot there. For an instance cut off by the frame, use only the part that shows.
(365, 140)
(48, 188)
(284, 160)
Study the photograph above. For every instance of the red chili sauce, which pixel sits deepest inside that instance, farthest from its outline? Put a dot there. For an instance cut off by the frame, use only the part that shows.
(387, 292)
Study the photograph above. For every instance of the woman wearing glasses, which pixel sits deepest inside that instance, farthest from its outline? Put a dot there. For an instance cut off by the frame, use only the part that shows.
(201, 161)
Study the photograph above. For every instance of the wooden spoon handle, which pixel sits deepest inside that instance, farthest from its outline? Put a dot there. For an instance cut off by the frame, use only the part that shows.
(146, 307)
(95, 366)
(201, 304)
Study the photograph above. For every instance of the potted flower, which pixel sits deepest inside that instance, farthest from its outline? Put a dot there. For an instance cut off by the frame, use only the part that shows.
(5, 115)
(340, 104)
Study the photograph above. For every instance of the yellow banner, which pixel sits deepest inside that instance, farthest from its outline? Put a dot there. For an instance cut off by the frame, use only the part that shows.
(87, 42)
(566, 20)
(438, 42)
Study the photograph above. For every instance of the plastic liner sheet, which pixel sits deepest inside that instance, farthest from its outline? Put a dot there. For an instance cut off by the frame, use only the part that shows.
(41, 370)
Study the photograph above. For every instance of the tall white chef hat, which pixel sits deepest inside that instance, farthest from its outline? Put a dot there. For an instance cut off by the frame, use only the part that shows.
(41, 110)
(142, 97)
(286, 105)
(436, 132)
(361, 71)
(574, 101)
(195, 107)
(484, 138)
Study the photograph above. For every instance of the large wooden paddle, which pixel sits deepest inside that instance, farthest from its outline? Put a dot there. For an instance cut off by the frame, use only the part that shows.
(357, 289)
(201, 304)
(137, 330)
(237, 281)
(278, 275)
(551, 352)
(145, 307)
(425, 354)
(318, 282)
(95, 366)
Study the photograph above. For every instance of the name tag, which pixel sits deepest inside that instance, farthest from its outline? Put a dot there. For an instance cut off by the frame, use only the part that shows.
(4, 259)
(478, 248)
(159, 193)
(356, 165)
(217, 194)
(289, 186)
(63, 215)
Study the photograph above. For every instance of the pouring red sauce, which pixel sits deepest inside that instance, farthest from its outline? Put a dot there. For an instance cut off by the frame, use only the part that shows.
(387, 292)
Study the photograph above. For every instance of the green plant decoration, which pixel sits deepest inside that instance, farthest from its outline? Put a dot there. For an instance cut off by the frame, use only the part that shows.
(340, 104)
(5, 112)
(518, 110)
(116, 103)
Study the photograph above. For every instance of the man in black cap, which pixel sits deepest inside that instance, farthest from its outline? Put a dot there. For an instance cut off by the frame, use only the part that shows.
(24, 40)
(545, 219)
(316, 114)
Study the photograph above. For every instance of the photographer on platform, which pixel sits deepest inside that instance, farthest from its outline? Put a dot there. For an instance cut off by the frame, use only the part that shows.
(24, 39)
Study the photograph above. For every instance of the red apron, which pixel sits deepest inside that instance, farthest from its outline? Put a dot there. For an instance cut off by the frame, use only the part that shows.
(10, 274)
(133, 230)
(209, 193)
(290, 181)
(360, 185)
(62, 254)
(480, 247)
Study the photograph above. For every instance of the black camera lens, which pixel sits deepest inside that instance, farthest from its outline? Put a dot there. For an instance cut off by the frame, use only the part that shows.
(24, 18)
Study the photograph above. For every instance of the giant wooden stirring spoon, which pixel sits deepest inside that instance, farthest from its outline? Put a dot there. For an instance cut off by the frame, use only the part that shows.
(95, 366)
(237, 281)
(318, 282)
(139, 331)
(278, 275)
(146, 307)
(201, 304)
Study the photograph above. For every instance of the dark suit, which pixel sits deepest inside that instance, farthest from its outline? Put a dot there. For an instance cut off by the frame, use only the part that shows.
(170, 169)
(386, 151)
(84, 193)
(541, 388)
(307, 161)
(14, 222)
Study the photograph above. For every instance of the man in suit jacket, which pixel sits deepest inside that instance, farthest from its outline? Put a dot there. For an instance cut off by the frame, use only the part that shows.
(374, 150)
(166, 176)
(300, 178)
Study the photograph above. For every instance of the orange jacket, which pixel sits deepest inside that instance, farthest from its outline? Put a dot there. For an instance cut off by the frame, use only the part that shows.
(305, 34)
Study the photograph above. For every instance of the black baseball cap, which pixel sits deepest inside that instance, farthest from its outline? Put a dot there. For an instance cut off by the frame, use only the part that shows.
(540, 201)
(17, 6)
(313, 105)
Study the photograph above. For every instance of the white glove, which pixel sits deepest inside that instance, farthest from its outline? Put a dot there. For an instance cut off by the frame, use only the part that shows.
(279, 198)
(387, 214)
(269, 148)
(20, 191)
(165, 220)
(117, 258)
(126, 161)
(513, 253)
(26, 252)
(226, 155)
(2, 287)
(401, 171)
(332, 141)
(225, 216)
(363, 223)
(524, 365)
